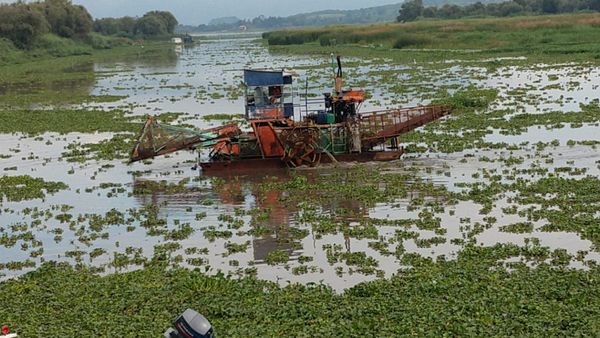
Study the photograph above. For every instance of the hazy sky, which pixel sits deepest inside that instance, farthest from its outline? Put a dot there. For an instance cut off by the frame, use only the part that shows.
(195, 12)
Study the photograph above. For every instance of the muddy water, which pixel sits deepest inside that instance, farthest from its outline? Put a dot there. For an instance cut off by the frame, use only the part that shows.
(204, 80)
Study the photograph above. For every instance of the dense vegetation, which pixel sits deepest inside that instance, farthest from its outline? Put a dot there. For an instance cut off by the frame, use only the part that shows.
(64, 121)
(568, 35)
(154, 23)
(411, 10)
(23, 23)
(470, 296)
(60, 28)
(19, 188)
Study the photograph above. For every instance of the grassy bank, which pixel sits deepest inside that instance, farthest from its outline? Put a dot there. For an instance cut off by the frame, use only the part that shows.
(62, 71)
(50, 45)
(472, 296)
(560, 37)
(63, 58)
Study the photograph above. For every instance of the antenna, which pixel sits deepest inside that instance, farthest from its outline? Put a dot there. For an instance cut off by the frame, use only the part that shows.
(339, 77)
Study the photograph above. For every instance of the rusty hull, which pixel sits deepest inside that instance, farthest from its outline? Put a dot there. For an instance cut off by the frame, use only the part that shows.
(241, 166)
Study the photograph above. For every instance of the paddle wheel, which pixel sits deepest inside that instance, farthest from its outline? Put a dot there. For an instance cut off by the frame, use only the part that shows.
(301, 147)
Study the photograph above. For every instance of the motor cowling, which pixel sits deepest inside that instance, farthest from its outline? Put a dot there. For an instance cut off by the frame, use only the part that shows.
(190, 324)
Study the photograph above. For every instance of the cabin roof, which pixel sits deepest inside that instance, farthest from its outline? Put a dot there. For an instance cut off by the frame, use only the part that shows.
(265, 77)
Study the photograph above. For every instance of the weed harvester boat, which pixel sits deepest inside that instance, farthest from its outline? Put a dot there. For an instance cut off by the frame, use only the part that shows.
(283, 133)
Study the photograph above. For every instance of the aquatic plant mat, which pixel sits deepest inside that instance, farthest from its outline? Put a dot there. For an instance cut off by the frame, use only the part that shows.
(488, 225)
(471, 296)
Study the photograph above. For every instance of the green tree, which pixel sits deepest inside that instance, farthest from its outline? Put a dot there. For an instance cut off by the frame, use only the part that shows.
(21, 24)
(430, 12)
(124, 26)
(82, 22)
(450, 11)
(594, 5)
(509, 8)
(127, 25)
(410, 10)
(107, 26)
(64, 18)
(550, 6)
(150, 25)
(169, 19)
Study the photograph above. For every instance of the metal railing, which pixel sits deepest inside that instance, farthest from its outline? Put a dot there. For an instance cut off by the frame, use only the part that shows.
(379, 126)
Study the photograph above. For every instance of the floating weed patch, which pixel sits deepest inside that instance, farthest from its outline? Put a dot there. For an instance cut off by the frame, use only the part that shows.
(277, 257)
(233, 248)
(358, 261)
(118, 147)
(519, 228)
(143, 187)
(365, 184)
(184, 231)
(65, 121)
(470, 123)
(470, 98)
(567, 204)
(211, 234)
(20, 188)
(223, 117)
(474, 293)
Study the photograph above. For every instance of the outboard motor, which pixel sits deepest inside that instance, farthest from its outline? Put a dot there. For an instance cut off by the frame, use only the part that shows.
(5, 333)
(190, 324)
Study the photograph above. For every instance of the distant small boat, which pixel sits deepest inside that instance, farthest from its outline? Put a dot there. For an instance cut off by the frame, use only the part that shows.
(177, 41)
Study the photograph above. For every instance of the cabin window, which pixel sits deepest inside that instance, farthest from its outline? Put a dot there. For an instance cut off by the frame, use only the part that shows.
(261, 98)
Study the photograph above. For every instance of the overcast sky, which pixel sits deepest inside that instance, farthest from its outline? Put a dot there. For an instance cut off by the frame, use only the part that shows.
(195, 12)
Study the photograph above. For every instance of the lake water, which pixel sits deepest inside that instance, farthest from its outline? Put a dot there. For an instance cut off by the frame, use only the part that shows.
(205, 79)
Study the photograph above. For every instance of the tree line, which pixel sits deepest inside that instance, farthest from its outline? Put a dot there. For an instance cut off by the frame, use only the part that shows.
(414, 9)
(154, 23)
(24, 23)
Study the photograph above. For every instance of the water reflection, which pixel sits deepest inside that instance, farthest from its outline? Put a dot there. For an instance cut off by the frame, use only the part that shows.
(52, 91)
(165, 57)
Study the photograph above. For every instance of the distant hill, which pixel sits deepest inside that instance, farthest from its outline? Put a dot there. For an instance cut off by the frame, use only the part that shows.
(333, 17)
(386, 13)
(457, 2)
